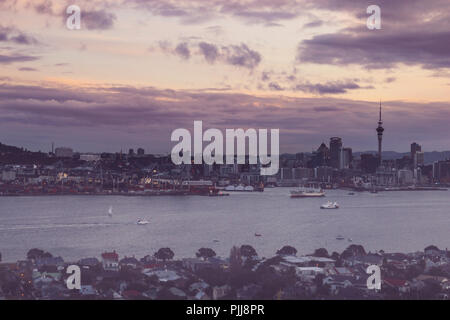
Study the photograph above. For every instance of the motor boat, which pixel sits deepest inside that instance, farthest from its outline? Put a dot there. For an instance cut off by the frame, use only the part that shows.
(340, 237)
(330, 205)
(307, 193)
(142, 222)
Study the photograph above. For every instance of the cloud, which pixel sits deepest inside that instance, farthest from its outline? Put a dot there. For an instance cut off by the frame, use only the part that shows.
(265, 12)
(330, 87)
(115, 116)
(236, 55)
(416, 33)
(378, 50)
(98, 20)
(27, 69)
(241, 56)
(275, 86)
(209, 51)
(183, 51)
(313, 24)
(326, 109)
(95, 14)
(14, 35)
(390, 79)
(12, 58)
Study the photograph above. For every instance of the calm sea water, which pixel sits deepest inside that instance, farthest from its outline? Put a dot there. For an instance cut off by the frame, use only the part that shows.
(79, 226)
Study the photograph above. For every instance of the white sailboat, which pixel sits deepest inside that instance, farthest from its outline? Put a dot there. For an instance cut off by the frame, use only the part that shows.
(110, 211)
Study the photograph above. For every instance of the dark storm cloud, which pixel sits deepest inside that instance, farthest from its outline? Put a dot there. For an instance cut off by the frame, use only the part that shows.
(19, 92)
(151, 114)
(413, 33)
(326, 109)
(378, 50)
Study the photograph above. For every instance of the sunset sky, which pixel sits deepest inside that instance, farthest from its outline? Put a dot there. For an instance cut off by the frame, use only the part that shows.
(139, 69)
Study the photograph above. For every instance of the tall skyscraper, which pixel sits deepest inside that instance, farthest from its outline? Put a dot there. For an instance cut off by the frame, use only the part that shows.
(380, 131)
(416, 154)
(415, 147)
(335, 151)
(346, 158)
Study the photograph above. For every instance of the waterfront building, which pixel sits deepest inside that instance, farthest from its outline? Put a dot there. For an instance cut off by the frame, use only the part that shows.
(286, 173)
(369, 163)
(405, 177)
(90, 157)
(63, 152)
(8, 175)
(324, 174)
(140, 152)
(441, 171)
(303, 173)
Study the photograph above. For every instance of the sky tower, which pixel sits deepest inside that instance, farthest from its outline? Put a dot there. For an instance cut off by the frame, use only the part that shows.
(380, 131)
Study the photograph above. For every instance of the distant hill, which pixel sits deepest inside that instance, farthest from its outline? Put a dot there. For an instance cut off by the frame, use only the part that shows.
(14, 155)
(429, 157)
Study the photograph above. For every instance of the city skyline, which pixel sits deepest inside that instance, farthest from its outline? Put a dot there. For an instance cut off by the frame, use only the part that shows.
(309, 68)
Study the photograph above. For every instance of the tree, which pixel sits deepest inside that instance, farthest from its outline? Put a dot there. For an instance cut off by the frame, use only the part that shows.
(353, 250)
(335, 256)
(321, 252)
(431, 247)
(164, 254)
(205, 253)
(235, 259)
(247, 251)
(287, 251)
(35, 253)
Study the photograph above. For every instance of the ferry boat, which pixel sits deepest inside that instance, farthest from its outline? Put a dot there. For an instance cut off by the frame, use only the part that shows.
(307, 193)
(330, 205)
(240, 188)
